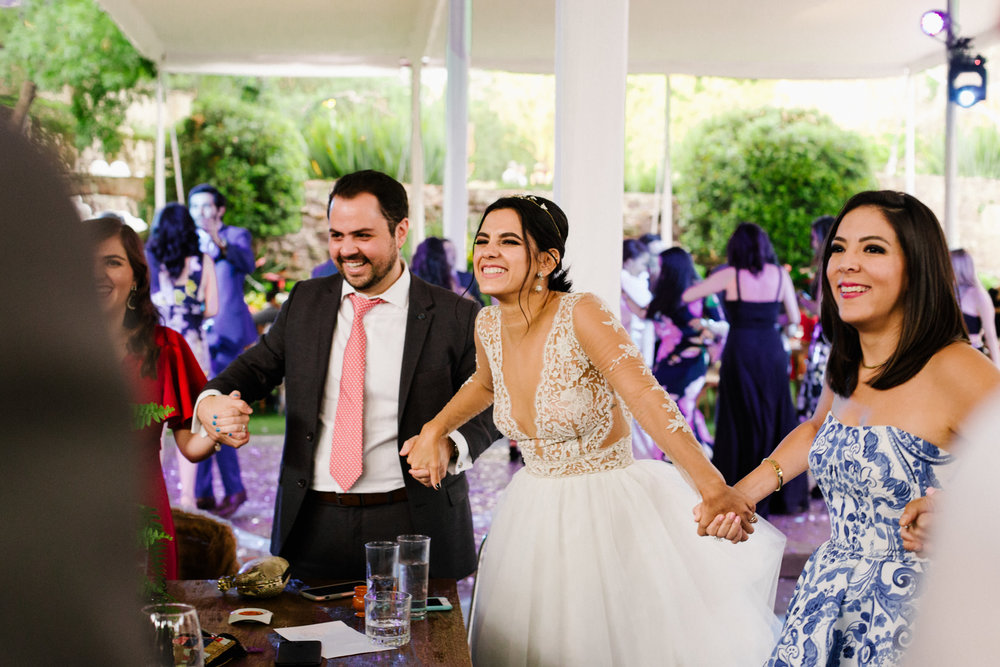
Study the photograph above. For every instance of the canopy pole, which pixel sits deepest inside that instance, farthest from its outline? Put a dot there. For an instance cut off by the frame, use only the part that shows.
(160, 172)
(909, 158)
(456, 193)
(950, 150)
(667, 197)
(590, 138)
(417, 216)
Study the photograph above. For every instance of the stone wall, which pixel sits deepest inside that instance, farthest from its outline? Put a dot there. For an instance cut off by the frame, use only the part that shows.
(979, 216)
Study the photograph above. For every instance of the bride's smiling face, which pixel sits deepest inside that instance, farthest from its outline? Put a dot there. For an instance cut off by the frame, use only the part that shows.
(502, 256)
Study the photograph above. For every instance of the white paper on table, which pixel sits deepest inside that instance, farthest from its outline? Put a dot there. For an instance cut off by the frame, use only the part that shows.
(338, 639)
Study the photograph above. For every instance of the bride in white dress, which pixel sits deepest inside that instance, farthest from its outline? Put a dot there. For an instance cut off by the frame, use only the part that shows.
(593, 558)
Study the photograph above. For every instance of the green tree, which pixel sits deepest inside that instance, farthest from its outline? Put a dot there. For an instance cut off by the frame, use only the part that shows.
(255, 156)
(73, 45)
(780, 168)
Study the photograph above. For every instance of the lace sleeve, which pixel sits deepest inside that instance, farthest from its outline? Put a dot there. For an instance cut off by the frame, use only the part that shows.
(609, 348)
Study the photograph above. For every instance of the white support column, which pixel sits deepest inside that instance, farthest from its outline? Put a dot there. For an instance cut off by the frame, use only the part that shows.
(159, 170)
(909, 158)
(591, 66)
(417, 222)
(950, 151)
(456, 192)
(667, 198)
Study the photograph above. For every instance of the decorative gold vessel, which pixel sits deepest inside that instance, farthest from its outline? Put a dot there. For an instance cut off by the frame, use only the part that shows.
(262, 577)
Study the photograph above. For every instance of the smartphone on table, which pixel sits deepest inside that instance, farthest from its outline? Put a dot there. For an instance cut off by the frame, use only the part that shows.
(438, 603)
(331, 592)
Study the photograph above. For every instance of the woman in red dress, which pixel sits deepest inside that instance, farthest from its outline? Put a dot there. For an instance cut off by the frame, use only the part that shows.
(156, 361)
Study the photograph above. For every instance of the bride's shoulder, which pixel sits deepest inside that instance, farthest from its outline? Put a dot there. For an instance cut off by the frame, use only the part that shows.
(589, 309)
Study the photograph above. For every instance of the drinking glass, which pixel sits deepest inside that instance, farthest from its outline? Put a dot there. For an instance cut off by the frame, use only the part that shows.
(381, 561)
(387, 618)
(414, 565)
(176, 635)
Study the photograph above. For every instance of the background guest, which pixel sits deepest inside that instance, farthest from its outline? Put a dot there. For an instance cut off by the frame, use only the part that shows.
(977, 306)
(464, 280)
(811, 385)
(231, 330)
(683, 333)
(754, 410)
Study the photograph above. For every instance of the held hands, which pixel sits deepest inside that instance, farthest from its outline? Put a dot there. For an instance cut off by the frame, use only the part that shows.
(916, 521)
(725, 513)
(428, 454)
(225, 418)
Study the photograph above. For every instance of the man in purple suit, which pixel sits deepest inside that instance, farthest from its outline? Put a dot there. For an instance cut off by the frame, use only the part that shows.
(228, 333)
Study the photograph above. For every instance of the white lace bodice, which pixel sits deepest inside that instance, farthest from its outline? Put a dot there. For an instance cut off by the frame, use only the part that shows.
(589, 364)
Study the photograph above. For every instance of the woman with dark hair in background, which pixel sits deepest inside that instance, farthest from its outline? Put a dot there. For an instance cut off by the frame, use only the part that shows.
(754, 410)
(811, 385)
(183, 286)
(901, 381)
(683, 334)
(977, 306)
(185, 291)
(592, 557)
(430, 262)
(156, 361)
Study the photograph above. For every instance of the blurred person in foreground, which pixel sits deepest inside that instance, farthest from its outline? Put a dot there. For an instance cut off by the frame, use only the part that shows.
(901, 380)
(68, 483)
(155, 360)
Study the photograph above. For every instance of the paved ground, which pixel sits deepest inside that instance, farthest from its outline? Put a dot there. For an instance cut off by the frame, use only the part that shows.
(260, 459)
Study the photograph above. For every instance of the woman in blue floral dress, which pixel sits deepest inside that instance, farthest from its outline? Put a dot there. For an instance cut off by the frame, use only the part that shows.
(900, 381)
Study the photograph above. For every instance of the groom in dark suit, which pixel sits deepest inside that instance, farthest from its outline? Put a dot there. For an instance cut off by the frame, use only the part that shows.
(367, 356)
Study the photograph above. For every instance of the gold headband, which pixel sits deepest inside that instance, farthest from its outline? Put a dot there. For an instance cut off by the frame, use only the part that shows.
(534, 200)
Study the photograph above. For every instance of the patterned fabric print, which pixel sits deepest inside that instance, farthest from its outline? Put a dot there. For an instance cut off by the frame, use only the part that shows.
(181, 309)
(858, 592)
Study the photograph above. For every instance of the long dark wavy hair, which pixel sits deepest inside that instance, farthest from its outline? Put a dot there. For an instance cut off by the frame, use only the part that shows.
(677, 273)
(142, 320)
(430, 262)
(546, 224)
(932, 317)
(174, 238)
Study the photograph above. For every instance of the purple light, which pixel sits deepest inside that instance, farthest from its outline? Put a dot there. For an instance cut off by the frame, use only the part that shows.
(934, 22)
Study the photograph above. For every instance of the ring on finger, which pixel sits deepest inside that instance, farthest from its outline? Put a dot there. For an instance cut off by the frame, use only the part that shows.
(753, 518)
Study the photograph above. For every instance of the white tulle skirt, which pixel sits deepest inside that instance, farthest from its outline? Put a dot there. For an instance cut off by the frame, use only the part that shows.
(607, 569)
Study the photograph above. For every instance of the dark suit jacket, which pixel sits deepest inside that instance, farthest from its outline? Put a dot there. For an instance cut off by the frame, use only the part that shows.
(438, 356)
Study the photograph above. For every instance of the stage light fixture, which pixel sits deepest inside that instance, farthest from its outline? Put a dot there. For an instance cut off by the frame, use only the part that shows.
(966, 76)
(934, 22)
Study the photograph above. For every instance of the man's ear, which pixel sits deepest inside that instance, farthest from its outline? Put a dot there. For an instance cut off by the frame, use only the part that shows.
(402, 229)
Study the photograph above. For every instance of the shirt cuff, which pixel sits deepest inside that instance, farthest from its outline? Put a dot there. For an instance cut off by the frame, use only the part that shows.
(196, 426)
(463, 461)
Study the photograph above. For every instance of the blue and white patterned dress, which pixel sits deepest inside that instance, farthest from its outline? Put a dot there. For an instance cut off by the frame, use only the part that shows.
(857, 595)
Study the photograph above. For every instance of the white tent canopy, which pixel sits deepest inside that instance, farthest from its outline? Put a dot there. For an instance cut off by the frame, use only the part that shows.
(810, 39)
(589, 44)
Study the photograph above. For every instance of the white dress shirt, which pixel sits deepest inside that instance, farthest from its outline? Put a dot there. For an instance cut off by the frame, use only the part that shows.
(385, 327)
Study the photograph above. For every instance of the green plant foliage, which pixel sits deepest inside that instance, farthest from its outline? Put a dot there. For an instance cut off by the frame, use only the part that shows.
(152, 541)
(144, 414)
(72, 44)
(779, 168)
(256, 157)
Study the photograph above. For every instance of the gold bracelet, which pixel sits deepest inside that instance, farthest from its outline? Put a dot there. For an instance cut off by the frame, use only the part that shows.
(777, 471)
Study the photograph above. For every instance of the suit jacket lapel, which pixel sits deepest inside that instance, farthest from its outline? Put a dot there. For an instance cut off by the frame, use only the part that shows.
(326, 319)
(418, 324)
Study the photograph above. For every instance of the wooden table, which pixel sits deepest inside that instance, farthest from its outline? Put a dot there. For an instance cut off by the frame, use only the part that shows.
(438, 640)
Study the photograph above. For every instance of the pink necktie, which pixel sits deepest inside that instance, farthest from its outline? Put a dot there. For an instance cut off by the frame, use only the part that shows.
(348, 427)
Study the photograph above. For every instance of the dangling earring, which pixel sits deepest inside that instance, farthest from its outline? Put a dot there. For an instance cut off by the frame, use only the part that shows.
(539, 276)
(130, 304)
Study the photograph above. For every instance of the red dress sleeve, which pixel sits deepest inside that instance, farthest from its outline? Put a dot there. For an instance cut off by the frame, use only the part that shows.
(181, 378)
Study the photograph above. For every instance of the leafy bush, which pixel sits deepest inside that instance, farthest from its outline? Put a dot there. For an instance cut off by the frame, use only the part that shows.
(779, 168)
(254, 156)
(362, 125)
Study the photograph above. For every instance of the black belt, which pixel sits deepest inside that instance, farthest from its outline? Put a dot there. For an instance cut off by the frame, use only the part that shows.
(359, 499)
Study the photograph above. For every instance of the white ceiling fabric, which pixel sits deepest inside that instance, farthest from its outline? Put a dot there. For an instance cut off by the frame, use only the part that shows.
(787, 39)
